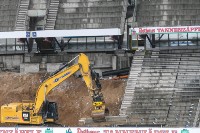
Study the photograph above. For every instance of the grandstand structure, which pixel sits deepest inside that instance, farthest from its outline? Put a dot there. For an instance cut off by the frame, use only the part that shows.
(75, 15)
(163, 89)
(167, 13)
(163, 86)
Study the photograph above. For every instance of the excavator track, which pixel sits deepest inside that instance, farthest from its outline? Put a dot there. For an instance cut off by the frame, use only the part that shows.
(53, 125)
(49, 124)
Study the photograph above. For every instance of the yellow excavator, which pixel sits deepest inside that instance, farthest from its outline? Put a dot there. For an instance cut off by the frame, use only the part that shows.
(42, 111)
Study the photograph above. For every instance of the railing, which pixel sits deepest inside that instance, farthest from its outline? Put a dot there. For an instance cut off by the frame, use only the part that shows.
(8, 46)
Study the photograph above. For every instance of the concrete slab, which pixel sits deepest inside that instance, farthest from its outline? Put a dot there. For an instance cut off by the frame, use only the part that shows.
(52, 67)
(109, 120)
(29, 68)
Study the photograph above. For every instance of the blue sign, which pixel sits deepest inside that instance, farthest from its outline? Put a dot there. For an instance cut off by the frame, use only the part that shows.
(28, 34)
(34, 34)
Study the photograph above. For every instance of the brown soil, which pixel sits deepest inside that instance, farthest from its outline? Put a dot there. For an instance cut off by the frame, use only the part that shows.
(71, 96)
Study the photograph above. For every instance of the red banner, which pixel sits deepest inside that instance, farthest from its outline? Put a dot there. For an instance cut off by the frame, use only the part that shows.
(180, 29)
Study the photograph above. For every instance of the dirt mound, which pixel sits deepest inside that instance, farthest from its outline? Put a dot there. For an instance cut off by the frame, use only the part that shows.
(71, 96)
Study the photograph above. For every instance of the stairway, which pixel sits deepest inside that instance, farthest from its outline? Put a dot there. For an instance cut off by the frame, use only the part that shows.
(197, 116)
(20, 24)
(133, 76)
(52, 14)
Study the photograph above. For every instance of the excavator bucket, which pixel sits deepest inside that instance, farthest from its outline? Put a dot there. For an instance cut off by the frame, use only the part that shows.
(99, 115)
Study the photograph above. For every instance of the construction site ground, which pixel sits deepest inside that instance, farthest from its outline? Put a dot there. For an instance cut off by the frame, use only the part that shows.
(72, 97)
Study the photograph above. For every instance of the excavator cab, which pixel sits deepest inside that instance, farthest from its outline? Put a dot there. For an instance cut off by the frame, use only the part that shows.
(49, 111)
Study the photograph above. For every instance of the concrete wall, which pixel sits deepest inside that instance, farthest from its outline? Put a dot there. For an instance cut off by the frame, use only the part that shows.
(29, 68)
(10, 62)
(100, 61)
(8, 12)
(104, 62)
(34, 63)
(52, 67)
(168, 12)
(38, 4)
(35, 67)
(51, 58)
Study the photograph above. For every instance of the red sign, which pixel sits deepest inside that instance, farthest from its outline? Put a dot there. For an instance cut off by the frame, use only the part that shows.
(180, 29)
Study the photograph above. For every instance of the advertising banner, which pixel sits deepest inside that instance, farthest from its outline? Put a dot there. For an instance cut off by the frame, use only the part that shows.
(96, 130)
(61, 33)
(156, 30)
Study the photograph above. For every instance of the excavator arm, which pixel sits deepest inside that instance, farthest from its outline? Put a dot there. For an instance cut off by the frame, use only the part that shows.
(98, 113)
(51, 83)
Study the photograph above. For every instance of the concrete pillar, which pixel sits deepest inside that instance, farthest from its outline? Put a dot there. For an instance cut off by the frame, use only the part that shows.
(43, 64)
(114, 62)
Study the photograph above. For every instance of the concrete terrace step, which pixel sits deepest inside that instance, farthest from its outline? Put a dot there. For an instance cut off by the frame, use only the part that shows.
(187, 62)
(50, 26)
(21, 13)
(175, 55)
(160, 67)
(152, 91)
(188, 77)
(170, 70)
(151, 78)
(178, 54)
(21, 17)
(53, 10)
(51, 20)
(52, 15)
(161, 74)
(161, 110)
(129, 91)
(170, 102)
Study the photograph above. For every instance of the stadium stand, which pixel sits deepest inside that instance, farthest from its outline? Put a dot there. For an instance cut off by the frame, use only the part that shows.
(167, 12)
(163, 88)
(52, 14)
(8, 14)
(91, 14)
(21, 19)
